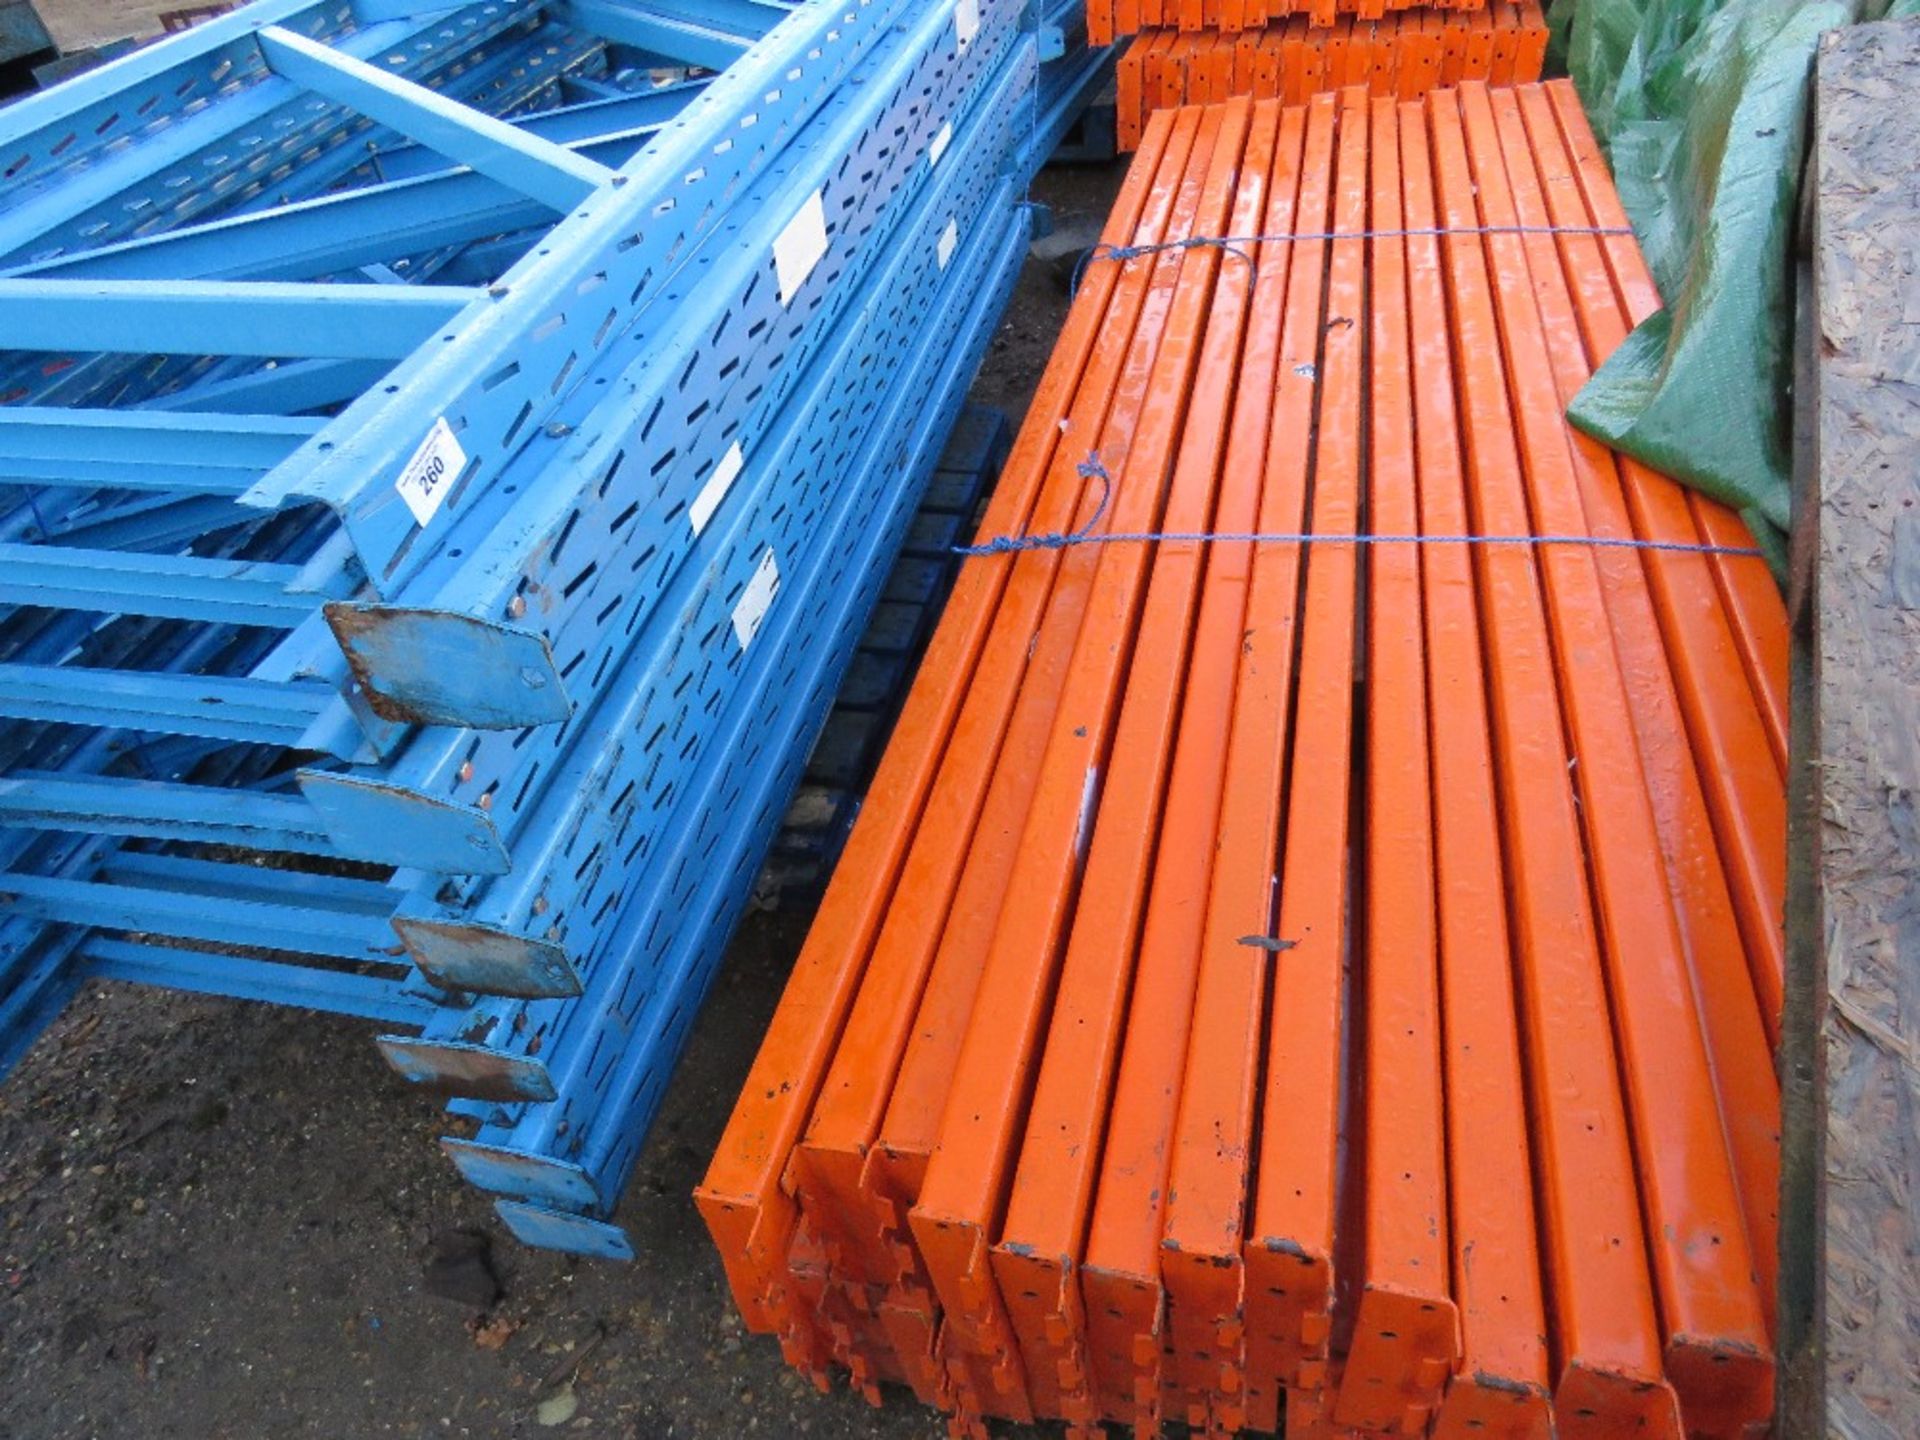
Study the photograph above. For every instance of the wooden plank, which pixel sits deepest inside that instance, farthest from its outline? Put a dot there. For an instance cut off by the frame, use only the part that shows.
(1854, 956)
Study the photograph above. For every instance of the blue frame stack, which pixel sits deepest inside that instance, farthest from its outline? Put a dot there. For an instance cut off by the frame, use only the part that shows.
(447, 458)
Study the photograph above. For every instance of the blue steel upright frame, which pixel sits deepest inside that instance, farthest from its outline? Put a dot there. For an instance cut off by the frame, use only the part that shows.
(458, 449)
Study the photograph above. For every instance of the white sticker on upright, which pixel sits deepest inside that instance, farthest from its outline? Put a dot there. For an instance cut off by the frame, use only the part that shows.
(940, 144)
(430, 474)
(757, 599)
(800, 246)
(715, 490)
(949, 238)
(966, 21)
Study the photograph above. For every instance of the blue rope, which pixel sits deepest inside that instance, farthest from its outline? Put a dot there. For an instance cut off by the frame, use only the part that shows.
(1092, 469)
(1088, 469)
(1232, 244)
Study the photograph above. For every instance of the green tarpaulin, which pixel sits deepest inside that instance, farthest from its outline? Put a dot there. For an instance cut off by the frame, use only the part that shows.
(1703, 108)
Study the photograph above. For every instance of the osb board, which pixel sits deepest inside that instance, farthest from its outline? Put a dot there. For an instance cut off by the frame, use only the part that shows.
(1864, 681)
(78, 23)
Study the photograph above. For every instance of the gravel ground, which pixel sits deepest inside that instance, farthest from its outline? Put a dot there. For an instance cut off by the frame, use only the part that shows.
(215, 1218)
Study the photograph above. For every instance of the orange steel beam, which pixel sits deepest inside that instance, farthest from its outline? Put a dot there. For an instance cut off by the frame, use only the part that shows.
(1717, 1352)
(1506, 47)
(1207, 1166)
(1318, 42)
(1753, 601)
(1074, 1107)
(1405, 52)
(1252, 74)
(888, 1177)
(1110, 19)
(1417, 72)
(1128, 108)
(1208, 84)
(1228, 1004)
(828, 1170)
(1167, 74)
(1339, 40)
(1607, 1343)
(1530, 55)
(1748, 809)
(896, 1165)
(741, 1198)
(1120, 1280)
(858, 1338)
(1406, 1332)
(1153, 47)
(1370, 54)
(1289, 1244)
(883, 1179)
(1226, 54)
(960, 1203)
(1374, 52)
(1195, 52)
(1216, 67)
(1453, 50)
(1163, 70)
(1310, 1413)
(1270, 65)
(1052, 1184)
(1500, 1391)
(1120, 859)
(1241, 79)
(1477, 54)
(893, 1169)
(1755, 604)
(1360, 50)
(805, 1279)
(1315, 68)
(1673, 640)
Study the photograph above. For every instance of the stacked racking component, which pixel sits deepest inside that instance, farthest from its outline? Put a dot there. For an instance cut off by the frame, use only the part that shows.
(449, 455)
(1313, 946)
(1110, 20)
(1402, 53)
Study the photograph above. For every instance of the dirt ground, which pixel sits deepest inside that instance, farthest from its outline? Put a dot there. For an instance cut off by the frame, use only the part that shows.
(215, 1216)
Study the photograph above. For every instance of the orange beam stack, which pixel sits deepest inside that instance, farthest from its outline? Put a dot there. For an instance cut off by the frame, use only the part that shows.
(1311, 953)
(1402, 53)
(1110, 20)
